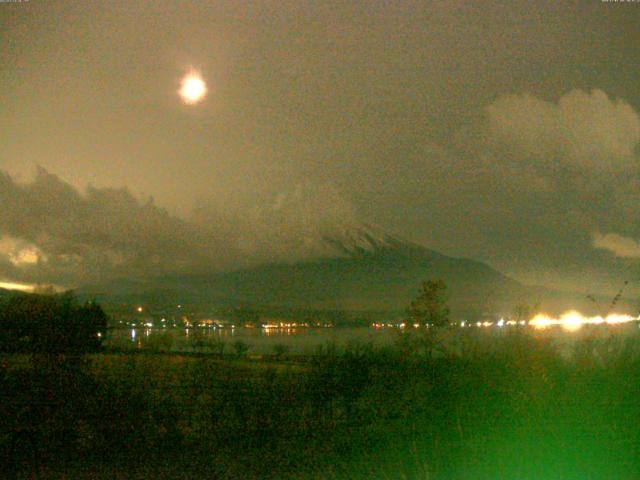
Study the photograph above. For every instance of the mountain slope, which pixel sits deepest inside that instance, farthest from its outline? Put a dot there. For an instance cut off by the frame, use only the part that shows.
(368, 270)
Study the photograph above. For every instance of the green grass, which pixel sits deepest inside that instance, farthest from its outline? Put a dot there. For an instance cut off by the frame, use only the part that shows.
(516, 409)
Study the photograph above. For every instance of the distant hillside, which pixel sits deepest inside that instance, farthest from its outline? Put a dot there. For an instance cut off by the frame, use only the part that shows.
(369, 270)
(365, 270)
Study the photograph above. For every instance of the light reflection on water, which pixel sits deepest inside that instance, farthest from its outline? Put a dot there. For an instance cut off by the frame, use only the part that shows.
(260, 341)
(308, 340)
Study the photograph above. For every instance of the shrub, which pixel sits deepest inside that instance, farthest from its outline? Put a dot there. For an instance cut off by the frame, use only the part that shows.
(280, 350)
(218, 345)
(241, 348)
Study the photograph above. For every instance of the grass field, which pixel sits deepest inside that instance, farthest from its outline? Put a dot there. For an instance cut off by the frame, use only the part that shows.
(517, 409)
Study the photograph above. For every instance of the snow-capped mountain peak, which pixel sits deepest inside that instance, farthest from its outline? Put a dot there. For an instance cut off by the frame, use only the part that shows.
(361, 238)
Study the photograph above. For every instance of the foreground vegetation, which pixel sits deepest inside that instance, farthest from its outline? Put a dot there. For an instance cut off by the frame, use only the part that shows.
(415, 411)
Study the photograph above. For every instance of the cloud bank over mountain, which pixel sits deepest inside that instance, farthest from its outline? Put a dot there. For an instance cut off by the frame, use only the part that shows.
(50, 232)
(545, 191)
(53, 233)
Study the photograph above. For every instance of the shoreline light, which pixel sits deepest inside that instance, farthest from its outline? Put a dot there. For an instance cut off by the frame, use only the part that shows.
(573, 320)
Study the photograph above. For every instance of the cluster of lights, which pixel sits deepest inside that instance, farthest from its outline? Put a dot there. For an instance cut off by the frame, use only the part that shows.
(571, 321)
(574, 320)
(212, 324)
(394, 325)
(500, 323)
(271, 326)
(284, 325)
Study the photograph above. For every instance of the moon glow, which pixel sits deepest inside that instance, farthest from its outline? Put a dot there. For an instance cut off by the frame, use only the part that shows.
(192, 88)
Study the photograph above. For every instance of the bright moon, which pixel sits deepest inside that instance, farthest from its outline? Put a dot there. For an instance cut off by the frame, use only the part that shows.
(192, 88)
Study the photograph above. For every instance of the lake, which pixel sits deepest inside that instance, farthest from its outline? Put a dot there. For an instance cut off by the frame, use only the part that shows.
(304, 341)
(260, 341)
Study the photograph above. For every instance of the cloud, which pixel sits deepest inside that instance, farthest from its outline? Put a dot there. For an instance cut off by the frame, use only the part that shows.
(523, 190)
(618, 245)
(588, 130)
(50, 232)
(531, 179)
(288, 226)
(19, 252)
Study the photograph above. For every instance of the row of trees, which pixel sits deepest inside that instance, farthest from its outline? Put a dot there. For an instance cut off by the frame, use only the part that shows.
(51, 324)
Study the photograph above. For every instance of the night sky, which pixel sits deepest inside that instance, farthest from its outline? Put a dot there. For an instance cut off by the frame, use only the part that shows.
(506, 132)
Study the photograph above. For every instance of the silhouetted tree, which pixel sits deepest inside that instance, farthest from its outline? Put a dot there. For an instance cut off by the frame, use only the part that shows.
(524, 312)
(241, 348)
(430, 306)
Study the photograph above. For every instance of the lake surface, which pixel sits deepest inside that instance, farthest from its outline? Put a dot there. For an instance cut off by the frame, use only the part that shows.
(259, 340)
(309, 340)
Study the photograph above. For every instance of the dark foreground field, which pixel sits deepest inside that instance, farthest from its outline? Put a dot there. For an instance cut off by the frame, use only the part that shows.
(517, 410)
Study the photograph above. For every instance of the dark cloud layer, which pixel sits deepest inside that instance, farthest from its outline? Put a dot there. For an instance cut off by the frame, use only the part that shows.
(50, 232)
(54, 233)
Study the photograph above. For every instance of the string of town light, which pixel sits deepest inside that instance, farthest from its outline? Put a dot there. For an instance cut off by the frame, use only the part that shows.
(571, 320)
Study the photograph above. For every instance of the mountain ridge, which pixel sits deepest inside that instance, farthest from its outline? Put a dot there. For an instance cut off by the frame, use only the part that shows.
(369, 270)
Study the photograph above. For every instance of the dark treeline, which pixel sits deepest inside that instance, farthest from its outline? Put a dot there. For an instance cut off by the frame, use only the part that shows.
(50, 323)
